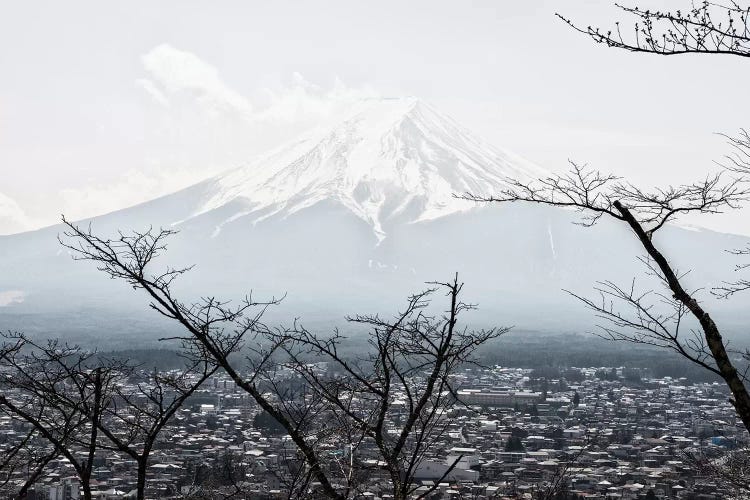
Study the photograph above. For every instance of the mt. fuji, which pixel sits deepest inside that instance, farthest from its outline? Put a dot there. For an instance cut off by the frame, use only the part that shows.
(385, 160)
(352, 217)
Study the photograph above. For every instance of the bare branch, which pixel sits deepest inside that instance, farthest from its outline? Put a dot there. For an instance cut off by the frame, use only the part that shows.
(704, 28)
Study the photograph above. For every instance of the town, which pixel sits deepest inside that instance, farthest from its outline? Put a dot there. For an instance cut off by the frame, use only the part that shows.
(593, 433)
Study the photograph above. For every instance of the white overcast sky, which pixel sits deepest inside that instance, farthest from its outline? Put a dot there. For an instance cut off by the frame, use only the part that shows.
(107, 104)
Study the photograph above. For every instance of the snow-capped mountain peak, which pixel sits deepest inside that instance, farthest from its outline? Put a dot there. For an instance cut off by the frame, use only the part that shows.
(384, 159)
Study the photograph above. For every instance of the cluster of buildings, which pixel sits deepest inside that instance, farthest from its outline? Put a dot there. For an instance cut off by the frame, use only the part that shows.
(511, 434)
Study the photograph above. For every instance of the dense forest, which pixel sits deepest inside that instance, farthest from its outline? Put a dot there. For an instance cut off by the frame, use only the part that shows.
(551, 353)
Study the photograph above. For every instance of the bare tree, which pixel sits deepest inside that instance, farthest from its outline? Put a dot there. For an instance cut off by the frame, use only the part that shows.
(141, 409)
(631, 315)
(34, 461)
(20, 457)
(412, 357)
(79, 400)
(24, 460)
(731, 470)
(701, 28)
(54, 389)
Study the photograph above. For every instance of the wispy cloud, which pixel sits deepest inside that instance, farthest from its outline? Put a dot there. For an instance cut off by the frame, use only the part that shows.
(174, 74)
(302, 100)
(178, 71)
(10, 297)
(200, 125)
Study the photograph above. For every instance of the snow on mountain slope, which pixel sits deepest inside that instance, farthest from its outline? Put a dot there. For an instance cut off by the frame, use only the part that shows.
(385, 160)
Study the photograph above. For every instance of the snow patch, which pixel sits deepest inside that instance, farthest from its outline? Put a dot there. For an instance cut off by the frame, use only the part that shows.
(551, 242)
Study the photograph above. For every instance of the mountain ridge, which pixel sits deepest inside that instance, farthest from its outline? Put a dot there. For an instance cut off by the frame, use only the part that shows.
(385, 160)
(342, 241)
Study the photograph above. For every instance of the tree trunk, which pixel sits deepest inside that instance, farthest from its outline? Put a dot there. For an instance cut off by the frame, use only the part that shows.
(86, 486)
(398, 487)
(141, 484)
(741, 398)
